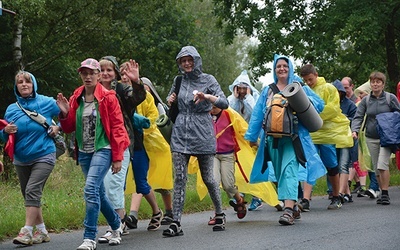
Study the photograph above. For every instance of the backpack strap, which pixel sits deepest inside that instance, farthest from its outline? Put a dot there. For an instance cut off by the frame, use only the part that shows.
(178, 81)
(274, 88)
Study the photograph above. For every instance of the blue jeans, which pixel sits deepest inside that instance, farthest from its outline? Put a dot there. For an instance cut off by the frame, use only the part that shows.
(373, 182)
(95, 167)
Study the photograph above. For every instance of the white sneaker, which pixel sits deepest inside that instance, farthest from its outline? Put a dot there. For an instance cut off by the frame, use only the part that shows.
(87, 245)
(372, 193)
(105, 238)
(115, 237)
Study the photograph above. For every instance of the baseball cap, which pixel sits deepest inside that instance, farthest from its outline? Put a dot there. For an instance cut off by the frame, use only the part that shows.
(90, 63)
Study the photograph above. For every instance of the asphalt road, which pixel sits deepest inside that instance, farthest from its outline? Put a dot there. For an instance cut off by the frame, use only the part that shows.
(359, 225)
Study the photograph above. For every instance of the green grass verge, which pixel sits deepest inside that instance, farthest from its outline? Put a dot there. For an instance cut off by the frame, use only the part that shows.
(64, 207)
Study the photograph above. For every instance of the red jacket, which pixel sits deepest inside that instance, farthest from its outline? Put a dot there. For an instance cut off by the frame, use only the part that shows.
(111, 118)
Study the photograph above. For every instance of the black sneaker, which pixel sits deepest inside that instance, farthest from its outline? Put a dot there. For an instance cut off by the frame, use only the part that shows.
(341, 197)
(362, 193)
(335, 204)
(131, 221)
(348, 198)
(304, 205)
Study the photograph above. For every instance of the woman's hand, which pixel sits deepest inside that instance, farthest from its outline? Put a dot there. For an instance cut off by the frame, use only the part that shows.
(171, 99)
(53, 130)
(63, 104)
(11, 128)
(116, 166)
(355, 135)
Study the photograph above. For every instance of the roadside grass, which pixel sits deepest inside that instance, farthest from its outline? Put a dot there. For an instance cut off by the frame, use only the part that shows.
(64, 207)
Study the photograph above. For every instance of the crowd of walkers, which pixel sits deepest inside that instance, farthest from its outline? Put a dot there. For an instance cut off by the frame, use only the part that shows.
(224, 139)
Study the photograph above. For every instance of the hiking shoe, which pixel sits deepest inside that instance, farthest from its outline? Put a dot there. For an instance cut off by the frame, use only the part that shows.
(362, 193)
(256, 203)
(348, 198)
(286, 219)
(296, 212)
(335, 204)
(115, 238)
(372, 193)
(155, 222)
(220, 221)
(385, 199)
(40, 237)
(341, 197)
(24, 237)
(304, 205)
(105, 238)
(280, 206)
(131, 221)
(167, 219)
(379, 201)
(87, 245)
(124, 228)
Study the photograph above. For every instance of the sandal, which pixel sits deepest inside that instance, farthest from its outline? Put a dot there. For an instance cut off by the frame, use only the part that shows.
(286, 219)
(155, 222)
(173, 230)
(211, 222)
(240, 207)
(219, 222)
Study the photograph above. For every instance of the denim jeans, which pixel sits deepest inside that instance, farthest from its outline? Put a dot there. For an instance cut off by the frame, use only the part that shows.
(95, 167)
(373, 182)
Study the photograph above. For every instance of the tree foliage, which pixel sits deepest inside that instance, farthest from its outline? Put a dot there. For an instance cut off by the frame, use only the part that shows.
(341, 37)
(49, 38)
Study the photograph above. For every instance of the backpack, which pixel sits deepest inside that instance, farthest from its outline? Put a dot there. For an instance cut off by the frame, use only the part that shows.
(280, 120)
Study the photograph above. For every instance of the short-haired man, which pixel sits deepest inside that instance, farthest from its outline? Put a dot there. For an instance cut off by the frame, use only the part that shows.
(348, 85)
(335, 133)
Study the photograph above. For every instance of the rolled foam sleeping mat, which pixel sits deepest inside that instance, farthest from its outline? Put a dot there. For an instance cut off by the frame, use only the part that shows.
(300, 103)
(164, 124)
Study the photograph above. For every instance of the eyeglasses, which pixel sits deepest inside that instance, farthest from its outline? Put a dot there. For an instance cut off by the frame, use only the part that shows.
(85, 74)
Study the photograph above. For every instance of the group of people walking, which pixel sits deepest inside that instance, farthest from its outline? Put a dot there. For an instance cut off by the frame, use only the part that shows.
(113, 117)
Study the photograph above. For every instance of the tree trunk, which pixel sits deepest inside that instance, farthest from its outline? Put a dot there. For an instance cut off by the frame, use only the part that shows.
(391, 55)
(17, 50)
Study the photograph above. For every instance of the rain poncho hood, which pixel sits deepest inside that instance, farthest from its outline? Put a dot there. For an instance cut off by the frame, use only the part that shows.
(365, 87)
(292, 76)
(339, 86)
(198, 64)
(244, 78)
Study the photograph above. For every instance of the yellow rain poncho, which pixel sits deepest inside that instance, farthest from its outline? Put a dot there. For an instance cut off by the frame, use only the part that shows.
(157, 149)
(265, 190)
(336, 128)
